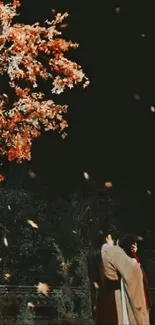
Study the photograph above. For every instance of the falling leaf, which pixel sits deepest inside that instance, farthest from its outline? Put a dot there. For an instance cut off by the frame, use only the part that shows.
(30, 304)
(137, 96)
(2, 178)
(9, 208)
(149, 192)
(7, 275)
(140, 238)
(5, 242)
(32, 174)
(96, 285)
(86, 176)
(33, 224)
(64, 265)
(108, 184)
(87, 82)
(5, 97)
(117, 10)
(63, 25)
(43, 288)
(152, 108)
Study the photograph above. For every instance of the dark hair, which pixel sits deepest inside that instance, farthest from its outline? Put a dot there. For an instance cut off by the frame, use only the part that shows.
(126, 242)
(111, 230)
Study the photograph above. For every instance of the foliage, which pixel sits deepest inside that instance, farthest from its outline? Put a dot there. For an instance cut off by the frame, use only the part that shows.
(26, 314)
(71, 302)
(32, 56)
(30, 227)
(46, 243)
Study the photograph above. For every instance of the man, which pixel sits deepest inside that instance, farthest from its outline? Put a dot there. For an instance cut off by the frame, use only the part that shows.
(116, 264)
(95, 273)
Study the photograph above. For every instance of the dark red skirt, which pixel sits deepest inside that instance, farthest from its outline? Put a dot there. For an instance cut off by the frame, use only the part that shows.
(106, 311)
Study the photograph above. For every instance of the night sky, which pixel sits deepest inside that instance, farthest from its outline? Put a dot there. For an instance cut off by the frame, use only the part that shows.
(111, 126)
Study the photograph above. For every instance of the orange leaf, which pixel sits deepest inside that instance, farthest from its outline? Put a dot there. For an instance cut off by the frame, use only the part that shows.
(108, 184)
(2, 178)
(7, 275)
(43, 288)
(64, 265)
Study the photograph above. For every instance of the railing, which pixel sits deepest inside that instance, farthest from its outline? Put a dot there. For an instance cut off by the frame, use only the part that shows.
(21, 291)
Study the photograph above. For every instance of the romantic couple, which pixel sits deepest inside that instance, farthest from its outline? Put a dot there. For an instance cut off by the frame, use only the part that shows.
(119, 287)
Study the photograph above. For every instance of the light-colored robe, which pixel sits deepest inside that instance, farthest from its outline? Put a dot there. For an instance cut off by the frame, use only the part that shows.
(115, 261)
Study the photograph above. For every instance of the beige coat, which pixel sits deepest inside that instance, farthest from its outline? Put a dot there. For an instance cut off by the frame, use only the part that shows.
(115, 261)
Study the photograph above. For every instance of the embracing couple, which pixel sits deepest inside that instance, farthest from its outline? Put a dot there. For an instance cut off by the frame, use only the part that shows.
(119, 286)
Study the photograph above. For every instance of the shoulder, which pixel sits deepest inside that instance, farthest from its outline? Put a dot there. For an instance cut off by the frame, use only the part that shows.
(112, 250)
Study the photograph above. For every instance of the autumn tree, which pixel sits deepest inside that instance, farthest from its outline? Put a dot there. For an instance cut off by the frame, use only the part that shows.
(28, 55)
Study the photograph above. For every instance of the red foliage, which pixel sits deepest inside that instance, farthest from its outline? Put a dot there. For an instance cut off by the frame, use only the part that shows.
(23, 49)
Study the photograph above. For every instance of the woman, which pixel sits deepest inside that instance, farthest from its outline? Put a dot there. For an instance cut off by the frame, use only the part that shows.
(129, 245)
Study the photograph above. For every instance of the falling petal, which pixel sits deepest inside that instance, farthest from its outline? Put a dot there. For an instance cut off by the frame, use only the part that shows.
(108, 184)
(43, 288)
(86, 176)
(5, 242)
(74, 232)
(9, 208)
(149, 192)
(33, 224)
(143, 35)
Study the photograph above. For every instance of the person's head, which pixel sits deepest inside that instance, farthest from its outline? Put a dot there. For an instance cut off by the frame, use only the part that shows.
(129, 244)
(111, 235)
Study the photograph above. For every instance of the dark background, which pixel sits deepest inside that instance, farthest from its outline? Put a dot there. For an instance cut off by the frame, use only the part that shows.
(111, 133)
